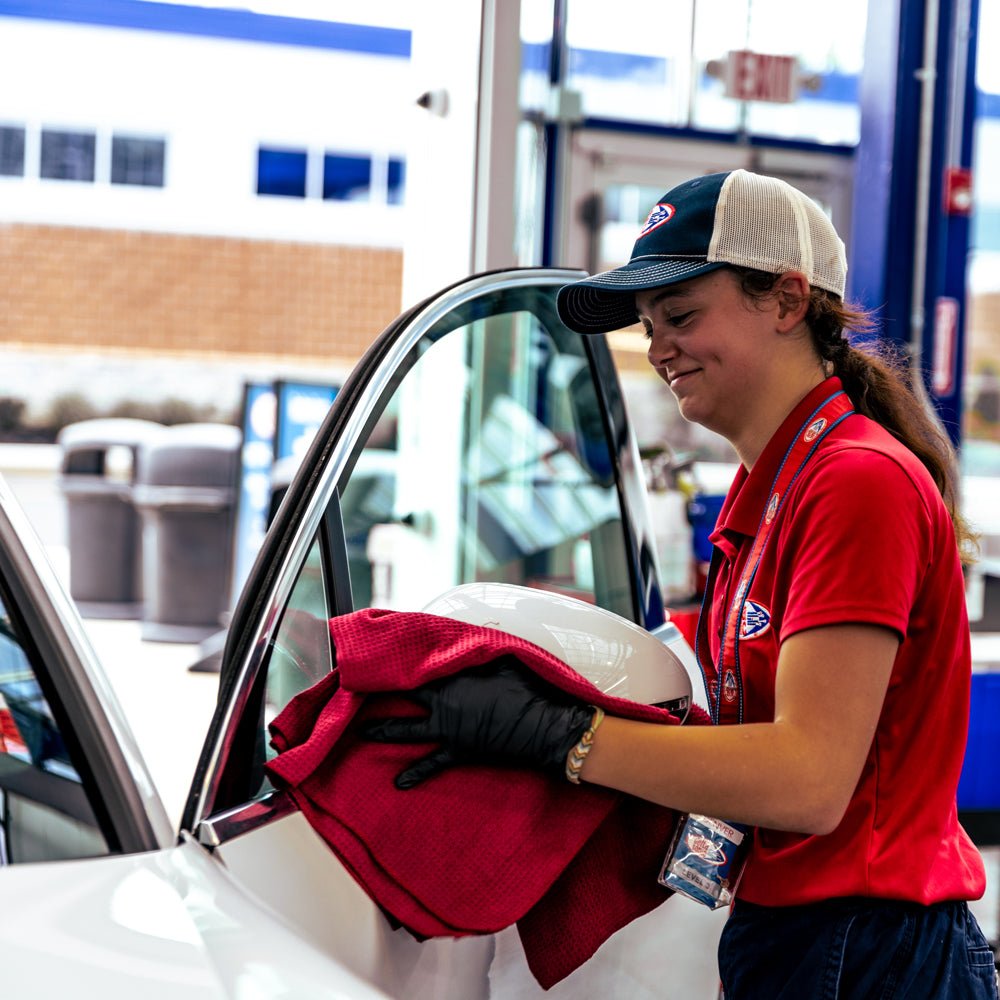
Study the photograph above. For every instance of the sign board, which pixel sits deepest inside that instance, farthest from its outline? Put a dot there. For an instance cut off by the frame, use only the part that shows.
(253, 494)
(301, 408)
(958, 198)
(757, 76)
(945, 346)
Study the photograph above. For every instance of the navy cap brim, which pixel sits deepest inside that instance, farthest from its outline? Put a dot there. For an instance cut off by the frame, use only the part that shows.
(606, 301)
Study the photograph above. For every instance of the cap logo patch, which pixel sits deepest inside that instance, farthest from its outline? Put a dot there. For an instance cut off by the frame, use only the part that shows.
(814, 430)
(756, 620)
(663, 212)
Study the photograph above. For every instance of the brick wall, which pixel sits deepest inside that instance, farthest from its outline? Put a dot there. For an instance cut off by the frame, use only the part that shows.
(161, 293)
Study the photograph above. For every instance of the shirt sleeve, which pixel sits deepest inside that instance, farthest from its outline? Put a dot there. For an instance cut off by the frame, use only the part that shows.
(857, 544)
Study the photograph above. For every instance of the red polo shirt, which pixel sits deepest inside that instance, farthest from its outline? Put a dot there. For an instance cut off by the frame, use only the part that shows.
(863, 536)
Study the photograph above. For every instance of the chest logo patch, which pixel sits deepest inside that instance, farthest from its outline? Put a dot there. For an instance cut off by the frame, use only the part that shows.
(814, 430)
(756, 620)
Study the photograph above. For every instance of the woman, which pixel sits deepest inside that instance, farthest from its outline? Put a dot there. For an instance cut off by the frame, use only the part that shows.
(834, 637)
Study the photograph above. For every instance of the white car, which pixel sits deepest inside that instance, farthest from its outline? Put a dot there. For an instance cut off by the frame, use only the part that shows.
(512, 460)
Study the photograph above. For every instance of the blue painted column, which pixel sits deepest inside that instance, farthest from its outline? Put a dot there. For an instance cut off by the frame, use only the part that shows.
(908, 253)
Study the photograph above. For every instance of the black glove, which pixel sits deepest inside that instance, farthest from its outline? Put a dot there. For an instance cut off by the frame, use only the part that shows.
(494, 714)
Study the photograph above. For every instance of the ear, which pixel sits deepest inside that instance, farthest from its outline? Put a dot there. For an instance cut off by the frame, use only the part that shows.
(792, 293)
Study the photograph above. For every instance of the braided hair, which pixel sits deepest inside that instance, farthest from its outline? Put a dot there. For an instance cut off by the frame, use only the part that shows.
(879, 381)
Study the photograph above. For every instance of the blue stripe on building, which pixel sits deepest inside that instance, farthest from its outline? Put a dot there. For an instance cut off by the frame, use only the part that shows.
(241, 25)
(987, 105)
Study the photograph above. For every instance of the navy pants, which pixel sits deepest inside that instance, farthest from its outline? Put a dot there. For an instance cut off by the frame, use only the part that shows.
(855, 949)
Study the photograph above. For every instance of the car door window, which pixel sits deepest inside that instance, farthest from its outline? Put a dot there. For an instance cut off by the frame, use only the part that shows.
(301, 652)
(45, 811)
(490, 463)
(486, 458)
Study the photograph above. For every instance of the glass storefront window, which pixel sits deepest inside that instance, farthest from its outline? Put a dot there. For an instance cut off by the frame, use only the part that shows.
(666, 66)
(635, 65)
(827, 42)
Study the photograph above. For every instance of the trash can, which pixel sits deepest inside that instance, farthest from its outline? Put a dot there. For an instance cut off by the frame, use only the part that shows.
(97, 475)
(185, 495)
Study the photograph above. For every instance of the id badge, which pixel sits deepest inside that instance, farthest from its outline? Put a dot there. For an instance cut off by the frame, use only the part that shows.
(705, 860)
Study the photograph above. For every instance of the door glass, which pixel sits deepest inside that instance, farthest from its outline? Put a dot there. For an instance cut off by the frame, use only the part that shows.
(490, 463)
(45, 812)
(486, 459)
(299, 655)
(301, 652)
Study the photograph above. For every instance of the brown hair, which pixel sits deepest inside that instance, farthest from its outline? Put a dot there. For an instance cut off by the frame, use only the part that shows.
(879, 382)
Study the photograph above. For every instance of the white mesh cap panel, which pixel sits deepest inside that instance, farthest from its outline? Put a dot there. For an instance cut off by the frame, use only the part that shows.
(764, 223)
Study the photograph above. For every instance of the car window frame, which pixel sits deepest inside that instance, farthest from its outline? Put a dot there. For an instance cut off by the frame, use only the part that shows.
(308, 513)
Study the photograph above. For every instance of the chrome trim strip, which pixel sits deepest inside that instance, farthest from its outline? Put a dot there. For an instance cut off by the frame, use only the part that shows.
(234, 822)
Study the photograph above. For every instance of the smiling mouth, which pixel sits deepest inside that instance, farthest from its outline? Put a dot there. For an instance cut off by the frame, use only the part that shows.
(680, 376)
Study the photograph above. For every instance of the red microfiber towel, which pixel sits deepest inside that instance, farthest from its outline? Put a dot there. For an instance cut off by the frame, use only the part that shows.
(476, 848)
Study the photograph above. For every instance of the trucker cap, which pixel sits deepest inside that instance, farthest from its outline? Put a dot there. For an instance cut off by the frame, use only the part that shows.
(733, 218)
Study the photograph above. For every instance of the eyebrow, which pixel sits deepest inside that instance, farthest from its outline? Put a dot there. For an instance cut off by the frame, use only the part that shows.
(670, 291)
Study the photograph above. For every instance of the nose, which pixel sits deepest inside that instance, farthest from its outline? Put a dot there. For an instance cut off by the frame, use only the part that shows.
(662, 347)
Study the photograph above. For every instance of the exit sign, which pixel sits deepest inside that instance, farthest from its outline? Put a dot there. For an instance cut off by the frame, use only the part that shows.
(756, 76)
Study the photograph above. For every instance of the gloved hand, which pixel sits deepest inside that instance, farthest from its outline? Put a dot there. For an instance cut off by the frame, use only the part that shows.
(497, 713)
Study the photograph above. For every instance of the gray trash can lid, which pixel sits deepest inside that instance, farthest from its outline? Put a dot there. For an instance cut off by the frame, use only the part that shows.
(194, 455)
(102, 432)
(88, 446)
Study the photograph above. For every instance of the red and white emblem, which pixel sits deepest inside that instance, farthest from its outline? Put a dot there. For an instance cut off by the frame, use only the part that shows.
(729, 687)
(705, 848)
(772, 508)
(814, 430)
(663, 212)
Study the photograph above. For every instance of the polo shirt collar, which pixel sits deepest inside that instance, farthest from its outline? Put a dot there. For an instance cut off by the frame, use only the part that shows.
(748, 496)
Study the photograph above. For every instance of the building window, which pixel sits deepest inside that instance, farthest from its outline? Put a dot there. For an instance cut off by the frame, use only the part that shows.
(281, 172)
(67, 156)
(396, 182)
(137, 161)
(346, 178)
(11, 151)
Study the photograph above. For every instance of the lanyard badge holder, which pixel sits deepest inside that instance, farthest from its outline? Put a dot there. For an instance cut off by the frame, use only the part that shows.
(707, 856)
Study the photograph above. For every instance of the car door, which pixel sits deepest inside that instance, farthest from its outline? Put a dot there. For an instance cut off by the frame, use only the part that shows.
(477, 439)
(72, 782)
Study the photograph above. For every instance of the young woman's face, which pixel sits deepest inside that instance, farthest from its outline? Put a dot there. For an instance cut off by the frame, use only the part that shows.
(708, 342)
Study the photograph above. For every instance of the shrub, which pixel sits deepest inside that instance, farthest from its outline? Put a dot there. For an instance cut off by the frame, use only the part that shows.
(69, 408)
(11, 413)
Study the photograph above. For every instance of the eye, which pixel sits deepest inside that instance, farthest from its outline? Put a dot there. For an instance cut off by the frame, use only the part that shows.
(647, 328)
(680, 319)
